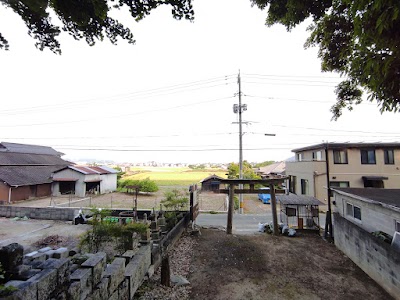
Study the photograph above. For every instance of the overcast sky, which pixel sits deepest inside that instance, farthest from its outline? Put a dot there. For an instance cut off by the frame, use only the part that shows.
(169, 98)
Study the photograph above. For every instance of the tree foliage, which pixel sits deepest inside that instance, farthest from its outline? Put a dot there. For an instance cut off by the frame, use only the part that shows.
(85, 19)
(359, 39)
(247, 171)
(145, 185)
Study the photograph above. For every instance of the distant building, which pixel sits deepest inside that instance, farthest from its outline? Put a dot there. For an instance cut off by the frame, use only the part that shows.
(274, 170)
(211, 183)
(84, 180)
(25, 170)
(358, 165)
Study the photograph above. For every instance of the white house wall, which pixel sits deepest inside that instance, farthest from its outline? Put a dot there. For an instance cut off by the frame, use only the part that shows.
(108, 183)
(374, 217)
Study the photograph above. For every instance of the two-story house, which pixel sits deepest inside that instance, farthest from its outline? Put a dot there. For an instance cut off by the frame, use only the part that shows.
(355, 165)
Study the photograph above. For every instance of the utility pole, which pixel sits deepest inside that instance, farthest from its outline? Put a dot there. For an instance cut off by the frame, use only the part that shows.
(239, 108)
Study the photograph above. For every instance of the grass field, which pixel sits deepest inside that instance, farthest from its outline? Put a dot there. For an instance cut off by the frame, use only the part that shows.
(174, 176)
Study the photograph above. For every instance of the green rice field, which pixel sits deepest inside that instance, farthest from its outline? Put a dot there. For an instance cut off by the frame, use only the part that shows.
(174, 176)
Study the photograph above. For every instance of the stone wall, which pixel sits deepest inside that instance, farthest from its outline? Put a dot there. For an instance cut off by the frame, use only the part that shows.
(45, 213)
(55, 274)
(375, 257)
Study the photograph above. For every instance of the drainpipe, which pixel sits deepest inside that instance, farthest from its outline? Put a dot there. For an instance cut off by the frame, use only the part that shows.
(9, 195)
(328, 222)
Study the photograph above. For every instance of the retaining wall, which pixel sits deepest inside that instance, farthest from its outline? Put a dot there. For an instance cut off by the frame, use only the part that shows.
(375, 257)
(45, 213)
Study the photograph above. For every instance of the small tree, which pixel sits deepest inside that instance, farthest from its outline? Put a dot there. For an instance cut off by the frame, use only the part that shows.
(175, 199)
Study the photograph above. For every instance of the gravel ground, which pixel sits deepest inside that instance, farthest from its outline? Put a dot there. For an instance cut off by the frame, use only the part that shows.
(180, 264)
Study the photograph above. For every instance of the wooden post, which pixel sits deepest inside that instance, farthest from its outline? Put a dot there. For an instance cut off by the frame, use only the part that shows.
(230, 209)
(165, 271)
(273, 206)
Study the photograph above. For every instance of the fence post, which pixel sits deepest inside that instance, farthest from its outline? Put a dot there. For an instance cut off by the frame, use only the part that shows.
(230, 209)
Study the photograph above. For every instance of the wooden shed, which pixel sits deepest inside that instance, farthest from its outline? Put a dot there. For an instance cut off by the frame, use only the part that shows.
(211, 183)
(299, 211)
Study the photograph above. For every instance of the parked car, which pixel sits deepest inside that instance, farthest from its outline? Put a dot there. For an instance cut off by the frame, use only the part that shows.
(265, 198)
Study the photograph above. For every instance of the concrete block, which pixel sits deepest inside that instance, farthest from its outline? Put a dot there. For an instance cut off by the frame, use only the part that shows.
(31, 254)
(50, 253)
(116, 272)
(39, 257)
(61, 253)
(74, 291)
(84, 277)
(46, 283)
(97, 264)
(29, 274)
(26, 289)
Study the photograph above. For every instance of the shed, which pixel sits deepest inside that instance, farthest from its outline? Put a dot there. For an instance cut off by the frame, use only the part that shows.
(211, 183)
(299, 211)
(84, 180)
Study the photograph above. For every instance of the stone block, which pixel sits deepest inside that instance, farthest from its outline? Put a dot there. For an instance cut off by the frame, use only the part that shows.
(45, 249)
(39, 257)
(123, 290)
(97, 264)
(46, 283)
(11, 256)
(136, 270)
(26, 289)
(61, 253)
(73, 251)
(84, 277)
(116, 272)
(100, 292)
(28, 274)
(49, 254)
(31, 254)
(61, 265)
(74, 291)
(128, 255)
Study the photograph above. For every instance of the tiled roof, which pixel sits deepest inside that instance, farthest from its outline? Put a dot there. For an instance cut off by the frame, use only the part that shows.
(386, 196)
(9, 158)
(24, 148)
(27, 175)
(276, 168)
(293, 199)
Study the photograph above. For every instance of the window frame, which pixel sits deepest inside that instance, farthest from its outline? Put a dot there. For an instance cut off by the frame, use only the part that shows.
(342, 160)
(304, 186)
(347, 183)
(389, 160)
(317, 155)
(397, 225)
(365, 156)
(350, 212)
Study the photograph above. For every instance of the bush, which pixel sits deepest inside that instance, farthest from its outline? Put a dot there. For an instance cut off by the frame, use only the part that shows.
(175, 200)
(145, 185)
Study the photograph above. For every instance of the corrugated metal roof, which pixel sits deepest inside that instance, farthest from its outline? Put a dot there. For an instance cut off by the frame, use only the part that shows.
(27, 175)
(386, 196)
(293, 199)
(86, 170)
(25, 148)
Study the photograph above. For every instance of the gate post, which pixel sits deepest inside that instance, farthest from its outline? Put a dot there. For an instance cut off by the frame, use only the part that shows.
(230, 209)
(273, 206)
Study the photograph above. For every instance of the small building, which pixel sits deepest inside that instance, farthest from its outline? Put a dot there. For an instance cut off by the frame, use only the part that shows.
(359, 214)
(211, 183)
(275, 170)
(84, 180)
(25, 171)
(369, 208)
(298, 211)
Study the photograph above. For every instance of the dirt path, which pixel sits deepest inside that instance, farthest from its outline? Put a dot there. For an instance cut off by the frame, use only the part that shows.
(268, 267)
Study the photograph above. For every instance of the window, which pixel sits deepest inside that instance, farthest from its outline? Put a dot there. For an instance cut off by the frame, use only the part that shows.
(317, 155)
(368, 157)
(304, 186)
(292, 184)
(397, 226)
(353, 211)
(342, 184)
(340, 156)
(299, 156)
(389, 156)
